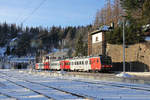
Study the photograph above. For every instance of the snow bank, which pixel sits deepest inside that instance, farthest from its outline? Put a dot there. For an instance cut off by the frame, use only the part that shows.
(125, 75)
(62, 72)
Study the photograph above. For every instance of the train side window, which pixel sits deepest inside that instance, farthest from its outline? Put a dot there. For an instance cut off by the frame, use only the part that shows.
(82, 62)
(97, 61)
(86, 62)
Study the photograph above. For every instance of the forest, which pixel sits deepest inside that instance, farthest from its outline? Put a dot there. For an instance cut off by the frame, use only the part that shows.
(31, 40)
(34, 39)
(135, 14)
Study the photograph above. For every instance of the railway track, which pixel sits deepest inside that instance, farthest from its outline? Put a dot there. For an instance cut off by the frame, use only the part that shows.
(75, 95)
(93, 74)
(47, 83)
(27, 89)
(110, 75)
(120, 85)
(8, 96)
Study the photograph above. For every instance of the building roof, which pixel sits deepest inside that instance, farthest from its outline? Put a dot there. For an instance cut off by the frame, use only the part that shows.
(95, 32)
(103, 28)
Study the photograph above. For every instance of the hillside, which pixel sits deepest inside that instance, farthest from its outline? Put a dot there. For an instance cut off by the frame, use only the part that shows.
(22, 41)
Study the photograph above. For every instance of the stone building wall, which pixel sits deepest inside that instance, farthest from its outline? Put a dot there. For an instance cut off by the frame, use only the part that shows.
(97, 49)
(139, 53)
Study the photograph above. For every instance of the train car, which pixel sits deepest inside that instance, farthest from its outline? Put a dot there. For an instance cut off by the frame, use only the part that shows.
(46, 62)
(65, 64)
(79, 64)
(55, 65)
(46, 65)
(99, 63)
(39, 66)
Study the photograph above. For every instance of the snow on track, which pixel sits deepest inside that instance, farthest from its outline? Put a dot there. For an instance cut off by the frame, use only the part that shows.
(47, 91)
(63, 88)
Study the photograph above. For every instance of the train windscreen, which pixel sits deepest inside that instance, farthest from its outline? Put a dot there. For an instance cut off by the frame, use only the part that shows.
(106, 60)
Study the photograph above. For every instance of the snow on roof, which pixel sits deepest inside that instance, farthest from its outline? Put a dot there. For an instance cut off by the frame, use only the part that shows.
(104, 28)
(14, 39)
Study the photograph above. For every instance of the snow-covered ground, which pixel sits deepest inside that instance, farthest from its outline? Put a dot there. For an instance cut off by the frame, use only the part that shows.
(24, 86)
(125, 75)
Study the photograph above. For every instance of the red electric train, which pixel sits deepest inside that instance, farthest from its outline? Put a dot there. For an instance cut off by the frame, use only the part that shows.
(99, 63)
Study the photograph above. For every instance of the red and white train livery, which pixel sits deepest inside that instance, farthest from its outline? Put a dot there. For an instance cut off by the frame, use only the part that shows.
(99, 63)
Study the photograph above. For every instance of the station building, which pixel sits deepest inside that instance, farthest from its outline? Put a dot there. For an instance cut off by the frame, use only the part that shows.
(97, 43)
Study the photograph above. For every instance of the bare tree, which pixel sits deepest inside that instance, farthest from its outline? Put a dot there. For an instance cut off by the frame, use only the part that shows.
(110, 13)
(117, 12)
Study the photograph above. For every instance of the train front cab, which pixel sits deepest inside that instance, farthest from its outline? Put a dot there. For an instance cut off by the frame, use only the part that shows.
(106, 63)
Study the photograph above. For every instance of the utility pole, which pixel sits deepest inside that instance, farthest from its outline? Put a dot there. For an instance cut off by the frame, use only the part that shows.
(123, 45)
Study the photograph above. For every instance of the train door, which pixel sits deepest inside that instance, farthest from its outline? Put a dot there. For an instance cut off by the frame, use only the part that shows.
(62, 64)
(95, 63)
(86, 64)
(92, 63)
(67, 65)
(98, 66)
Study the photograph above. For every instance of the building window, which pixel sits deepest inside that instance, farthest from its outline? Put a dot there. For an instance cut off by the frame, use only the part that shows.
(96, 38)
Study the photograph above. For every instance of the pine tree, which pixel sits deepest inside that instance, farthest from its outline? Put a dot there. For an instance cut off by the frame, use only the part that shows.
(79, 46)
(7, 50)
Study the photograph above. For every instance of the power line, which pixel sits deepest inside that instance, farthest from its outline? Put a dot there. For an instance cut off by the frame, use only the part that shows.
(22, 15)
(34, 10)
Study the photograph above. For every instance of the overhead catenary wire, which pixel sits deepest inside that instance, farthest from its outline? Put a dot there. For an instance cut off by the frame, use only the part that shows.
(34, 10)
(22, 15)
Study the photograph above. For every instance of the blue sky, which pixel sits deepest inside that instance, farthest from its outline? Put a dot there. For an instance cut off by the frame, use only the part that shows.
(52, 12)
